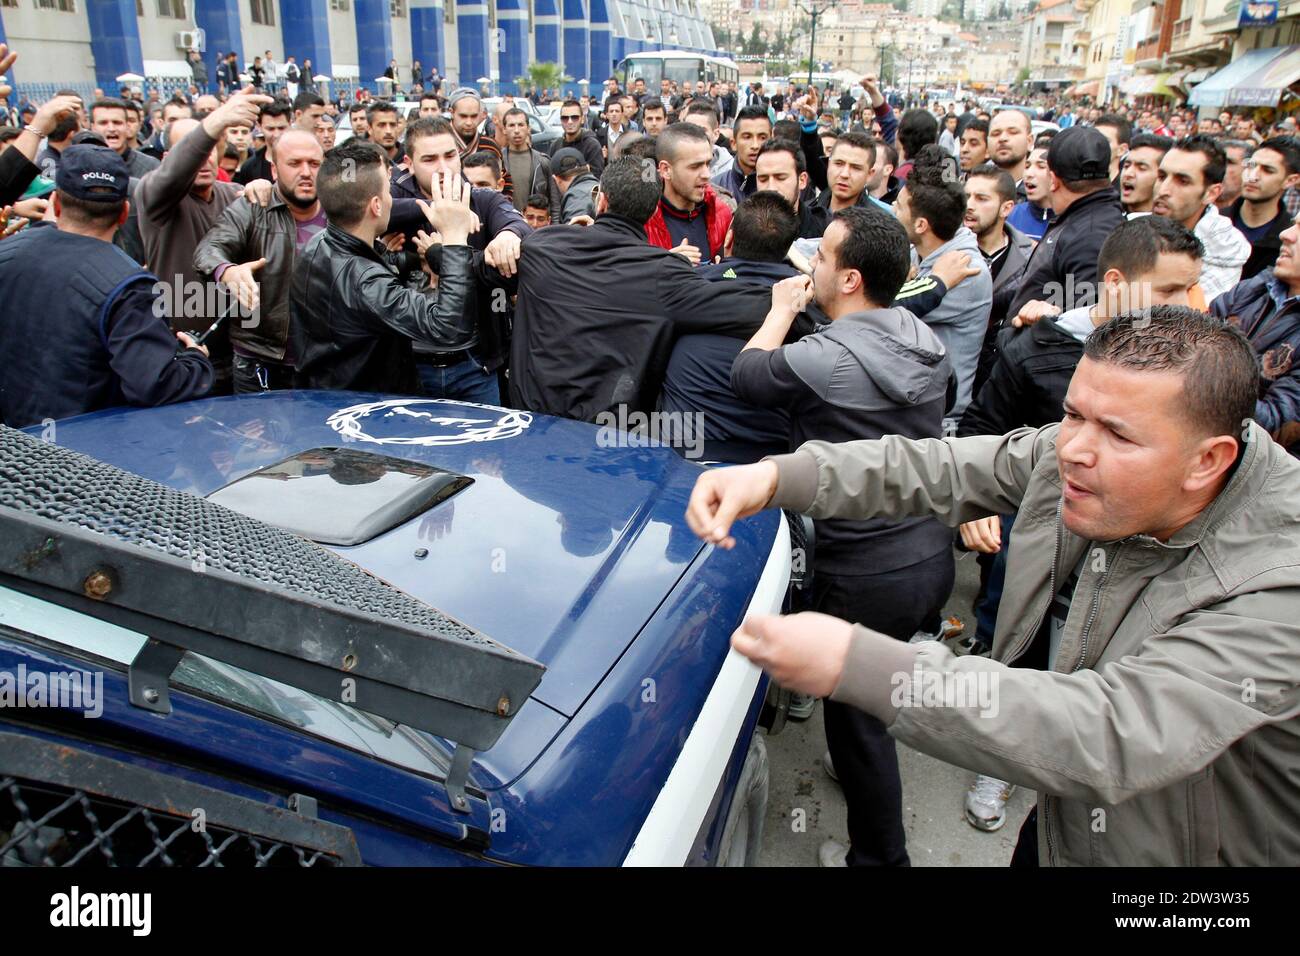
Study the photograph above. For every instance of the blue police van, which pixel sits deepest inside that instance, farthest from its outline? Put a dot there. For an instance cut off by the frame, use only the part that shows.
(327, 629)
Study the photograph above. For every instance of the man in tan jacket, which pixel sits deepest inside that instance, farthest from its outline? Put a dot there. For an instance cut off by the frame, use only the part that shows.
(1155, 579)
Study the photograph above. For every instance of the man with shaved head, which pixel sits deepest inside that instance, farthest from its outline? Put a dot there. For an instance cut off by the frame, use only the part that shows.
(252, 250)
(181, 200)
(1011, 137)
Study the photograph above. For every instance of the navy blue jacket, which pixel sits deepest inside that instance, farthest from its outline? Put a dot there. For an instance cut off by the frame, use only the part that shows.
(1261, 309)
(79, 332)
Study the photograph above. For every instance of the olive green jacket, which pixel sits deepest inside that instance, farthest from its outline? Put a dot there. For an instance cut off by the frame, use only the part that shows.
(1167, 731)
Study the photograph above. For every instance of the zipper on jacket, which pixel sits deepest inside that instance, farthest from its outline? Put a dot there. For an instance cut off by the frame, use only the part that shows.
(1092, 613)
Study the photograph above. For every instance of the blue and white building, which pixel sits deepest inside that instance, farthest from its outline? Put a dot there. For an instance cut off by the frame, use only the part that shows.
(85, 44)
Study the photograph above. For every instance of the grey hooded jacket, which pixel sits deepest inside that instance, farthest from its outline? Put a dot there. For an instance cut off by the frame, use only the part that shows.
(1166, 733)
(962, 318)
(865, 375)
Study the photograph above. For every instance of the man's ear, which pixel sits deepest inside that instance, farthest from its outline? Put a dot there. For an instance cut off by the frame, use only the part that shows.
(1291, 181)
(803, 182)
(1007, 207)
(121, 217)
(1212, 194)
(1213, 457)
(602, 203)
(728, 241)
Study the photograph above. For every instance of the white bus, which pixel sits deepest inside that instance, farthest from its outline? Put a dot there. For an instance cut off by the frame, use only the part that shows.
(676, 65)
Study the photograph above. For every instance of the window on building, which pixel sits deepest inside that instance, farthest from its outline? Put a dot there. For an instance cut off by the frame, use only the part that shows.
(263, 12)
(449, 11)
(14, 3)
(63, 6)
(139, 6)
(171, 9)
(492, 14)
(397, 8)
(341, 5)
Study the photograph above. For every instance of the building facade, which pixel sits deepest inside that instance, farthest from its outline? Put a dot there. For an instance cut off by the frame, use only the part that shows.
(88, 43)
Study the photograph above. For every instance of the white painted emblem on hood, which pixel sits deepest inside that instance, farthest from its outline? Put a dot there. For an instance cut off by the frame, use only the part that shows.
(444, 421)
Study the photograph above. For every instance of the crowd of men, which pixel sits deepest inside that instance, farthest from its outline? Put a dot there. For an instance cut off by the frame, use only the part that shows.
(904, 285)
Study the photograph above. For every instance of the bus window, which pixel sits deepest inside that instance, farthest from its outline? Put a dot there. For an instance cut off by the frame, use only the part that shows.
(681, 71)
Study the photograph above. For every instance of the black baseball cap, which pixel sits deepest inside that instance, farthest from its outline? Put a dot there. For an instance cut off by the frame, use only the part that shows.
(1079, 152)
(94, 173)
(566, 160)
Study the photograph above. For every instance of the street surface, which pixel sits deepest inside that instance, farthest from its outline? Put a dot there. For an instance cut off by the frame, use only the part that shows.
(933, 791)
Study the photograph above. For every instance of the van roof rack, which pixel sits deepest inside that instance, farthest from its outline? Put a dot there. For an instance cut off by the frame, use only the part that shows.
(192, 575)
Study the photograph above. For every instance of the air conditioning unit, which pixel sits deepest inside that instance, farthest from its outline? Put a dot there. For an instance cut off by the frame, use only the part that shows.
(191, 40)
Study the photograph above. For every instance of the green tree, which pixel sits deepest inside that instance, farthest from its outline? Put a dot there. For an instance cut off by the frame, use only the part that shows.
(757, 45)
(546, 75)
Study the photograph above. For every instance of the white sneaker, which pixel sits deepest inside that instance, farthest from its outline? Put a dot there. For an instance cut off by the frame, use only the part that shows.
(986, 803)
(829, 767)
(833, 853)
(801, 706)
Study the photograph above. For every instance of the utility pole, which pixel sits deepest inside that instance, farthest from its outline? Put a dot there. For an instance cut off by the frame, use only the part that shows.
(814, 10)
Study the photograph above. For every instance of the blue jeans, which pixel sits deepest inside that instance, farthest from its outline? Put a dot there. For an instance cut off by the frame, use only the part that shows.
(986, 608)
(467, 381)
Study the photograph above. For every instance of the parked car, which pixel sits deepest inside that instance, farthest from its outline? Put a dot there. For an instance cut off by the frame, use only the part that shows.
(349, 628)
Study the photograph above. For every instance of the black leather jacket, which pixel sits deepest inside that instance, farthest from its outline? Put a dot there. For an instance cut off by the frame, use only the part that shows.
(247, 232)
(354, 318)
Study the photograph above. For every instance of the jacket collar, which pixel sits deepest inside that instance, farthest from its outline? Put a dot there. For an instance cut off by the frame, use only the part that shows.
(1098, 198)
(622, 224)
(346, 242)
(1248, 477)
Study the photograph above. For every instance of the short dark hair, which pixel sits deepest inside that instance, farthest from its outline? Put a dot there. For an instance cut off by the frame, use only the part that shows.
(787, 129)
(570, 102)
(305, 99)
(65, 127)
(857, 141)
(426, 126)
(647, 147)
(1218, 364)
(1151, 141)
(1136, 244)
(675, 135)
(375, 107)
(537, 201)
(1216, 160)
(107, 103)
(785, 146)
(92, 213)
(1288, 147)
(1120, 124)
(430, 96)
(9, 133)
(277, 108)
(891, 154)
(979, 126)
(350, 176)
(935, 195)
(1003, 184)
(650, 103)
(486, 158)
(875, 244)
(917, 129)
(702, 108)
(754, 112)
(513, 111)
(631, 186)
(764, 227)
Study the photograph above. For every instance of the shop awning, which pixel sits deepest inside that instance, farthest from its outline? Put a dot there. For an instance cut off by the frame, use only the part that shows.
(1147, 84)
(1266, 85)
(1198, 76)
(1216, 90)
